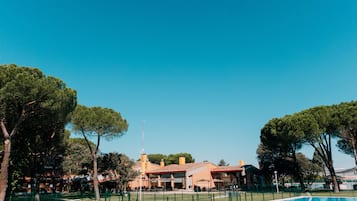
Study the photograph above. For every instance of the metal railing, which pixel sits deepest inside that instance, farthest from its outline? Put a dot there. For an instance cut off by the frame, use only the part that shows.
(180, 196)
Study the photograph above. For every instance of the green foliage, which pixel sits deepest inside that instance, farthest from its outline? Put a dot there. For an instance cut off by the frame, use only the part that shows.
(34, 109)
(80, 141)
(346, 116)
(309, 168)
(345, 146)
(266, 158)
(222, 162)
(282, 137)
(121, 165)
(319, 124)
(96, 121)
(25, 90)
(171, 158)
(76, 156)
(156, 158)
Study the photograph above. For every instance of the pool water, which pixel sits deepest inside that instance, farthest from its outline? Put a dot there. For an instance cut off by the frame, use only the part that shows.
(323, 199)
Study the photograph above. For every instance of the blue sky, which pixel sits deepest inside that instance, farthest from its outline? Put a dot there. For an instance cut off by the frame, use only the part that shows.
(204, 76)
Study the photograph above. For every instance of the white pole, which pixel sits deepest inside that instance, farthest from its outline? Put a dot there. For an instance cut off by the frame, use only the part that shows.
(142, 152)
(276, 181)
(140, 184)
(143, 137)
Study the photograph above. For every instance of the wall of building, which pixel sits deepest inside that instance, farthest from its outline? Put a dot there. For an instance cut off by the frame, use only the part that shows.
(203, 178)
(141, 167)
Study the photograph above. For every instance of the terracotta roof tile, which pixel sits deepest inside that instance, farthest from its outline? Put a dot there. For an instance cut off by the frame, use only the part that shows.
(177, 168)
(137, 166)
(228, 169)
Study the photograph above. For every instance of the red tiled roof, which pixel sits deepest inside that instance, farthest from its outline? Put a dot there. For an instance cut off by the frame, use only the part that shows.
(177, 168)
(228, 169)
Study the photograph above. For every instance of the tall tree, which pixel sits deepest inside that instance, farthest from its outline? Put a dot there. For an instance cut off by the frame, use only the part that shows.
(174, 158)
(121, 165)
(25, 95)
(97, 122)
(283, 136)
(171, 158)
(346, 116)
(156, 158)
(44, 150)
(319, 130)
(317, 160)
(76, 156)
(266, 158)
(309, 169)
(222, 162)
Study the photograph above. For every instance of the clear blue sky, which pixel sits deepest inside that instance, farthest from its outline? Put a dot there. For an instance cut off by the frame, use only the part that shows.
(204, 75)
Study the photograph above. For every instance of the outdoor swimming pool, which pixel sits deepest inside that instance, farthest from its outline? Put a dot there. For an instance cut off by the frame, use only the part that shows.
(322, 199)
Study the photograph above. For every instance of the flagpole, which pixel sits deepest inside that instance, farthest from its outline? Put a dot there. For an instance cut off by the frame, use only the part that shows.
(142, 152)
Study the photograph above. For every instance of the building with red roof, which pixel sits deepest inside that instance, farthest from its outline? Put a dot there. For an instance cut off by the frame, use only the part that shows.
(191, 176)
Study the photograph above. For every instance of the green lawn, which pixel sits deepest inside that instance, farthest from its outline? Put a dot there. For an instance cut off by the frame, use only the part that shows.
(185, 196)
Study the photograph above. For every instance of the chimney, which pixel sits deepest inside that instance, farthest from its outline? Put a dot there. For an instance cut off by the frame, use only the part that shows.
(147, 166)
(162, 163)
(143, 163)
(182, 160)
(241, 163)
(143, 157)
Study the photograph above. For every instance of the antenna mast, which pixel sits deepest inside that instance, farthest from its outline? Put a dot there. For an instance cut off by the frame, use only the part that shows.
(142, 152)
(142, 136)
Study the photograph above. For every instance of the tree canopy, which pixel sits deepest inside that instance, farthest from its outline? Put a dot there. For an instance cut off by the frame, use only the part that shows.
(34, 108)
(346, 116)
(171, 158)
(282, 137)
(156, 158)
(120, 165)
(97, 122)
(76, 156)
(222, 162)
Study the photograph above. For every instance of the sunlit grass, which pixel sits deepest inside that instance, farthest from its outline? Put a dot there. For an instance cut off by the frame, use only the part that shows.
(184, 196)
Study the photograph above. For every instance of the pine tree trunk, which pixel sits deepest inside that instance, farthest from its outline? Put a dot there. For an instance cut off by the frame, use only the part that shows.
(336, 188)
(4, 169)
(299, 172)
(354, 152)
(95, 178)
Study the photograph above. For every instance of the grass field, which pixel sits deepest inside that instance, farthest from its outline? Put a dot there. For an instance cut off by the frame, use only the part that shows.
(184, 196)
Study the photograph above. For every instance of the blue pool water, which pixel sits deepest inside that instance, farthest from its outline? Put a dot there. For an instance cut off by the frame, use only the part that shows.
(323, 199)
